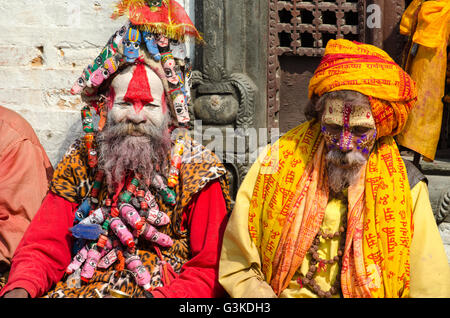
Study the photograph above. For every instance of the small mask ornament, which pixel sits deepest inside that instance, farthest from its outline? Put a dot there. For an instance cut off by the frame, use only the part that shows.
(117, 38)
(97, 69)
(154, 3)
(132, 42)
(109, 67)
(105, 64)
(163, 43)
(80, 84)
(152, 46)
(178, 49)
(180, 105)
(170, 69)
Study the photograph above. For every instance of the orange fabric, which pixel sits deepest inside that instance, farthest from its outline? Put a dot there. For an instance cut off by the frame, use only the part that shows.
(429, 26)
(25, 171)
(409, 16)
(289, 202)
(369, 70)
(432, 25)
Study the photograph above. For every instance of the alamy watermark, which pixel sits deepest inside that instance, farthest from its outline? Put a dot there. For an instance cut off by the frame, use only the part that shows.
(374, 16)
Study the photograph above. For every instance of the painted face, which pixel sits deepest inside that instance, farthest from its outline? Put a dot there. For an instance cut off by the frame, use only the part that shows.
(108, 51)
(170, 69)
(178, 50)
(348, 126)
(132, 42)
(79, 85)
(88, 124)
(162, 41)
(110, 67)
(118, 36)
(130, 103)
(154, 3)
(181, 109)
(152, 46)
(113, 63)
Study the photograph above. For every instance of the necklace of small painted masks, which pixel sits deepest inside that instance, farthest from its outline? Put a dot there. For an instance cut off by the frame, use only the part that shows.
(108, 234)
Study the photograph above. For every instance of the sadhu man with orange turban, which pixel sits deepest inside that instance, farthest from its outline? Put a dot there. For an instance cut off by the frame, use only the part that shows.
(331, 209)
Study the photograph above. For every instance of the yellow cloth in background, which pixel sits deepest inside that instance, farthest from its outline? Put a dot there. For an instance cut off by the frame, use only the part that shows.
(428, 69)
(240, 263)
(289, 203)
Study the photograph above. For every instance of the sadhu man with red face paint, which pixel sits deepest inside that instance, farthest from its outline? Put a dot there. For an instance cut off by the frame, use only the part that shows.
(331, 209)
(131, 212)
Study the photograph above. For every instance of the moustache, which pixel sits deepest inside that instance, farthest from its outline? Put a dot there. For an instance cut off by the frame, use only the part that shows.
(128, 128)
(345, 159)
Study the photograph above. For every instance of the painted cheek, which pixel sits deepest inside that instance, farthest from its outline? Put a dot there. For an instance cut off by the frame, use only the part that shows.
(330, 141)
(365, 143)
(118, 115)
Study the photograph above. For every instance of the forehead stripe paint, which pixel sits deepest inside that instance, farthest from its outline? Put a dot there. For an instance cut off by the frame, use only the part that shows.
(133, 35)
(139, 92)
(346, 115)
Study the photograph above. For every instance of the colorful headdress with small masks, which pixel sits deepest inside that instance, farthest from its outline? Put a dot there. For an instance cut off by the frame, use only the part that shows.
(154, 35)
(165, 17)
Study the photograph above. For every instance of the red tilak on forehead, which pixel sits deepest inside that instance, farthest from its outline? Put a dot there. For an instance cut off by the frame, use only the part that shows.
(346, 115)
(139, 92)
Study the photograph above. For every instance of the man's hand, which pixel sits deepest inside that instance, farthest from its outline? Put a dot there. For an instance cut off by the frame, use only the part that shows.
(17, 293)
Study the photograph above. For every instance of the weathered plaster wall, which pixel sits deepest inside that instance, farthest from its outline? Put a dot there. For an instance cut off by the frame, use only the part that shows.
(44, 47)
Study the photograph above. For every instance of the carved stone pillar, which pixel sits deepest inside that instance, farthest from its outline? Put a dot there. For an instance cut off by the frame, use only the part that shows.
(229, 81)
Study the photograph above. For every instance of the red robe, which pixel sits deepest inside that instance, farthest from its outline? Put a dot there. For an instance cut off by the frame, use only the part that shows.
(45, 250)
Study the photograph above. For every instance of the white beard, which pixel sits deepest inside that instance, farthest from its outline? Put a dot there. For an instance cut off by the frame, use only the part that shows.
(343, 169)
(120, 151)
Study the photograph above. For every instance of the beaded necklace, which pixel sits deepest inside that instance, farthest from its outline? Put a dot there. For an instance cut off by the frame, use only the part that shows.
(318, 264)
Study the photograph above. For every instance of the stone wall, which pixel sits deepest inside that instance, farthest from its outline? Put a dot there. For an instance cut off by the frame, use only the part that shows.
(45, 46)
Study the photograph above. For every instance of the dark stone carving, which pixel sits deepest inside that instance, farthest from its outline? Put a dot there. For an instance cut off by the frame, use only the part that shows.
(222, 100)
(228, 74)
(443, 211)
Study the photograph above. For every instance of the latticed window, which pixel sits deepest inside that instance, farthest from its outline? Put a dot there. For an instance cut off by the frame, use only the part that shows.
(305, 27)
(299, 31)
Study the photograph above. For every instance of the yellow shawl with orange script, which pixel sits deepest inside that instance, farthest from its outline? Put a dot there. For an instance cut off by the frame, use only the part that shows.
(289, 202)
(291, 192)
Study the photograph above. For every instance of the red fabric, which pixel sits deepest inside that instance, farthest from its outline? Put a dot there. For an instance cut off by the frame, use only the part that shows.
(171, 17)
(206, 220)
(45, 251)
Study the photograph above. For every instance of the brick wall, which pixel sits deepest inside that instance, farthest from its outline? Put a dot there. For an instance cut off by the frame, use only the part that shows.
(45, 46)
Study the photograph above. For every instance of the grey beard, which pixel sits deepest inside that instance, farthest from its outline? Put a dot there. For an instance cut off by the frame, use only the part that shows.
(343, 169)
(120, 152)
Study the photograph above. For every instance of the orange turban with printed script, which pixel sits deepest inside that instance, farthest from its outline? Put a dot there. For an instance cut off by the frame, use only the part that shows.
(364, 68)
